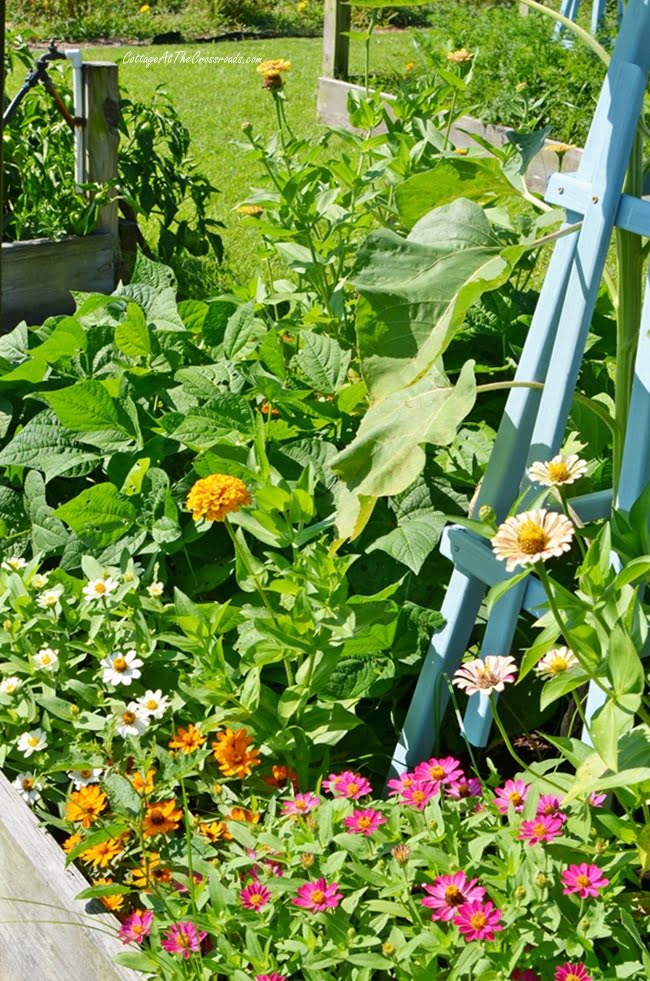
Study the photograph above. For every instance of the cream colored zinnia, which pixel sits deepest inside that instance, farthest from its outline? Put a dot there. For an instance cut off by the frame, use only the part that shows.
(560, 470)
(485, 676)
(532, 536)
(556, 662)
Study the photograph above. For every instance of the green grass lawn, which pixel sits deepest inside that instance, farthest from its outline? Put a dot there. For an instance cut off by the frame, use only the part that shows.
(214, 99)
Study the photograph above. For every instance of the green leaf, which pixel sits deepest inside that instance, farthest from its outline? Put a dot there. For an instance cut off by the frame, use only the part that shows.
(44, 445)
(624, 664)
(477, 179)
(386, 455)
(159, 305)
(412, 541)
(209, 424)
(99, 515)
(352, 677)
(239, 329)
(561, 685)
(607, 726)
(136, 961)
(323, 361)
(152, 273)
(124, 799)
(67, 338)
(132, 334)
(113, 889)
(415, 291)
(84, 407)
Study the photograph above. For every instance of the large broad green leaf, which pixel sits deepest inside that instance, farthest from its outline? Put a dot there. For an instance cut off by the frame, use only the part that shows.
(99, 515)
(46, 446)
(413, 541)
(49, 535)
(323, 361)
(83, 407)
(478, 179)
(415, 291)
(67, 338)
(158, 305)
(386, 455)
(210, 423)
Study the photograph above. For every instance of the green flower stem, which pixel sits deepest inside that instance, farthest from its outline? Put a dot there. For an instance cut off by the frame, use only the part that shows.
(511, 749)
(573, 518)
(580, 710)
(450, 120)
(261, 593)
(366, 50)
(595, 407)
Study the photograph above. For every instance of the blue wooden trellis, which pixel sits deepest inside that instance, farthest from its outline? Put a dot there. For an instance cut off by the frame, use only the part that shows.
(535, 420)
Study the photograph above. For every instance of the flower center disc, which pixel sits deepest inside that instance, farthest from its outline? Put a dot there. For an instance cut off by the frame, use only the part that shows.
(317, 896)
(477, 921)
(531, 538)
(558, 472)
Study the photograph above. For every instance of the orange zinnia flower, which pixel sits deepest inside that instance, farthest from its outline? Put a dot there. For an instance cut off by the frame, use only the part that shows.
(85, 805)
(281, 776)
(188, 739)
(161, 818)
(71, 843)
(143, 785)
(242, 814)
(216, 496)
(112, 903)
(150, 872)
(232, 754)
(103, 853)
(213, 831)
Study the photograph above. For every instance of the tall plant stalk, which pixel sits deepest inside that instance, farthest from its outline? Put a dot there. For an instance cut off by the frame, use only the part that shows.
(629, 257)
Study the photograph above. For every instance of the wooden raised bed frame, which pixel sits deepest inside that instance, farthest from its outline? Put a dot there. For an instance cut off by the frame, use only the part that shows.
(38, 275)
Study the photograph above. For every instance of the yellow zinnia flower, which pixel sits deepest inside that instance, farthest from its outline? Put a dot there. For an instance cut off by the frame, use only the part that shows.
(216, 496)
(459, 56)
(274, 66)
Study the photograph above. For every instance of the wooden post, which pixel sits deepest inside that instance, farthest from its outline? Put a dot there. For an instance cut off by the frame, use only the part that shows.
(101, 101)
(336, 47)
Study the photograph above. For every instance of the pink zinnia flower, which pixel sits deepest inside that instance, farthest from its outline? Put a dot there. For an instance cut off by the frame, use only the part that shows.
(347, 784)
(584, 879)
(318, 896)
(448, 892)
(470, 787)
(300, 804)
(485, 676)
(136, 927)
(597, 800)
(478, 921)
(403, 782)
(364, 822)
(513, 792)
(255, 896)
(419, 794)
(525, 975)
(572, 972)
(182, 938)
(549, 806)
(441, 771)
(274, 976)
(540, 829)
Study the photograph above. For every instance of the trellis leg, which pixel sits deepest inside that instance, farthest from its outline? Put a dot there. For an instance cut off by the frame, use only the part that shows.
(336, 47)
(597, 14)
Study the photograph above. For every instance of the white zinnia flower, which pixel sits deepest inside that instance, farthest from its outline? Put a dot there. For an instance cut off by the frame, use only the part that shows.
(560, 470)
(28, 787)
(556, 662)
(39, 581)
(9, 686)
(46, 659)
(15, 563)
(96, 588)
(133, 721)
(83, 778)
(154, 703)
(32, 742)
(532, 536)
(485, 676)
(50, 597)
(155, 589)
(121, 669)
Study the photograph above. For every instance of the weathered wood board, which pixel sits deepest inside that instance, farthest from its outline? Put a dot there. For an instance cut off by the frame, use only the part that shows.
(332, 109)
(54, 941)
(37, 276)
